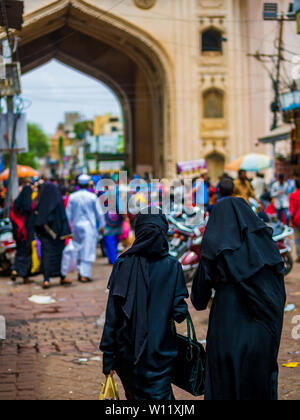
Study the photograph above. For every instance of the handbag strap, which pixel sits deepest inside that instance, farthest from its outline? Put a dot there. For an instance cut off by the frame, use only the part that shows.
(191, 328)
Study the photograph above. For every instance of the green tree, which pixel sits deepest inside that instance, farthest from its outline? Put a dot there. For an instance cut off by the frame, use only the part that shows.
(38, 146)
(82, 127)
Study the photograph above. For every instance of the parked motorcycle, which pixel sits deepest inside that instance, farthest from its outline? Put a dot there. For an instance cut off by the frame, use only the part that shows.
(185, 238)
(7, 247)
(191, 258)
(282, 236)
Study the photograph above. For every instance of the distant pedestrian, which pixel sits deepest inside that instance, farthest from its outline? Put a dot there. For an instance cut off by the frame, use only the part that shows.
(243, 188)
(113, 223)
(147, 294)
(280, 191)
(294, 211)
(86, 218)
(259, 185)
(53, 228)
(22, 218)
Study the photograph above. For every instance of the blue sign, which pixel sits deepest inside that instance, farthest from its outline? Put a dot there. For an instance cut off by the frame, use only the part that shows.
(290, 101)
(1, 162)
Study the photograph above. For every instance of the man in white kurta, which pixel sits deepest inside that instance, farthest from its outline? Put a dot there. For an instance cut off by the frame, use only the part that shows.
(86, 217)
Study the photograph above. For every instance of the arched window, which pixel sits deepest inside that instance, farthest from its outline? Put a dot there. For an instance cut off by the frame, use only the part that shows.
(213, 104)
(212, 40)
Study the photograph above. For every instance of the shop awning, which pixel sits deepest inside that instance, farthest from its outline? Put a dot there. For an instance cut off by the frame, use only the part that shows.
(279, 134)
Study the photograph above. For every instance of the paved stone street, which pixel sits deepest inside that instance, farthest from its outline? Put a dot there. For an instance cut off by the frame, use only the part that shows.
(51, 351)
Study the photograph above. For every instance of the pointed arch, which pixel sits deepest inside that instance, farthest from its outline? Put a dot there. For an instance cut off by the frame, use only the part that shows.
(129, 60)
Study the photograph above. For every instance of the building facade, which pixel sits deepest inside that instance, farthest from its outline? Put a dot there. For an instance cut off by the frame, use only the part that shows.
(180, 69)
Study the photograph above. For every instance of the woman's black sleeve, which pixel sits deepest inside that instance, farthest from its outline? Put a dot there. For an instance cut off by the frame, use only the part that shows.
(108, 342)
(180, 307)
(202, 285)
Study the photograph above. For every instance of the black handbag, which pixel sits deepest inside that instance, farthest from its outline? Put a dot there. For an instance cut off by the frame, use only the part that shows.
(189, 367)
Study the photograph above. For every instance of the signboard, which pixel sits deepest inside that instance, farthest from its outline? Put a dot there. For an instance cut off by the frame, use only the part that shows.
(192, 168)
(6, 132)
(112, 144)
(290, 101)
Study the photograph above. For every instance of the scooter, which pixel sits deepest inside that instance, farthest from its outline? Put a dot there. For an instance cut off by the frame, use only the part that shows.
(7, 247)
(282, 236)
(190, 260)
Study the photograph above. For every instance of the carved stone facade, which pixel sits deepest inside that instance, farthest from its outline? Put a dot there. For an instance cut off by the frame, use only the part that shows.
(168, 61)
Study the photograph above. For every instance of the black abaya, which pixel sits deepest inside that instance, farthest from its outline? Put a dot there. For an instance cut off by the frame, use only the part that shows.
(23, 206)
(51, 215)
(247, 313)
(138, 338)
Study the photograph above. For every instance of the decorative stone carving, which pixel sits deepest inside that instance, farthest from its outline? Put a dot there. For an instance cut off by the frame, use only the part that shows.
(210, 4)
(145, 4)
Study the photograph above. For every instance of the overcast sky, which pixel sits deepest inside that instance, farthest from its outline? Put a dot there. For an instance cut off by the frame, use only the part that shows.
(53, 89)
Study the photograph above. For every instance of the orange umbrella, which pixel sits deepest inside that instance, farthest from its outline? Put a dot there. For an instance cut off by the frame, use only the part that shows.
(23, 172)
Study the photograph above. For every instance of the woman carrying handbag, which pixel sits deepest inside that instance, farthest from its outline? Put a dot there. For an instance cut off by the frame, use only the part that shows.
(147, 294)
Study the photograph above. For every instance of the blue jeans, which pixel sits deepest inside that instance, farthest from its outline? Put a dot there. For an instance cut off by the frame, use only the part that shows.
(110, 244)
(286, 213)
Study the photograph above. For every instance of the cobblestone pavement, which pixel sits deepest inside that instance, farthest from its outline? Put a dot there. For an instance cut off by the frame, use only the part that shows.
(51, 351)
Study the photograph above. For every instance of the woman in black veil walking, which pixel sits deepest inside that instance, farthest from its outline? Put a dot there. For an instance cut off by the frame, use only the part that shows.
(53, 228)
(147, 292)
(22, 218)
(242, 263)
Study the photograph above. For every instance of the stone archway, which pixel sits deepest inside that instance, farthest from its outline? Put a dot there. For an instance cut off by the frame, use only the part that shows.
(119, 54)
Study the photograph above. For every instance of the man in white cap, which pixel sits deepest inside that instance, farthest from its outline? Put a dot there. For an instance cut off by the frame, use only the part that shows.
(86, 218)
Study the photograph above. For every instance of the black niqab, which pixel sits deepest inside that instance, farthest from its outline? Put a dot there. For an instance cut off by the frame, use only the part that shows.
(23, 203)
(243, 239)
(50, 198)
(133, 278)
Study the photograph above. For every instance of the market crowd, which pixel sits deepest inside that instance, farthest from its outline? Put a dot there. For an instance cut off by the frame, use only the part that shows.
(48, 213)
(241, 267)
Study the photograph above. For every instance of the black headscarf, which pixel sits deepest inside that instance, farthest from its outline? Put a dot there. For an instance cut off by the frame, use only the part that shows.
(244, 240)
(133, 279)
(50, 197)
(23, 204)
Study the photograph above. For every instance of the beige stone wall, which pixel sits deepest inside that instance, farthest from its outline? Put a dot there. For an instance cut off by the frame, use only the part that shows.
(175, 26)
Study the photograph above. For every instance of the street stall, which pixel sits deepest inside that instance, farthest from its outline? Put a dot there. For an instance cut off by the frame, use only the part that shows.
(279, 139)
(290, 103)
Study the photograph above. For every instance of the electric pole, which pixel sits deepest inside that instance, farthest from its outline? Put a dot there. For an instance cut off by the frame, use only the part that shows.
(270, 13)
(11, 16)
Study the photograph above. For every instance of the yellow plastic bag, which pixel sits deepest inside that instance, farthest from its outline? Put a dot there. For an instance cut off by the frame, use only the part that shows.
(291, 364)
(109, 391)
(36, 263)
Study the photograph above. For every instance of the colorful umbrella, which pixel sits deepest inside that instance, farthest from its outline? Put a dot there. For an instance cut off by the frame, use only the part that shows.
(23, 172)
(252, 162)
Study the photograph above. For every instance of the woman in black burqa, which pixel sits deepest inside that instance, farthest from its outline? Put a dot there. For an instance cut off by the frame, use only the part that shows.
(53, 228)
(147, 293)
(242, 263)
(22, 218)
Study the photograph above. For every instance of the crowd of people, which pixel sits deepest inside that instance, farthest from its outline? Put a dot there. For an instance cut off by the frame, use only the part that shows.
(280, 199)
(53, 211)
(241, 267)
